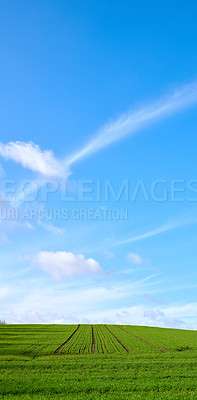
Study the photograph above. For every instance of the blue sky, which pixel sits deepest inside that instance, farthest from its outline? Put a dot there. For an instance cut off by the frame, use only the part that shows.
(96, 98)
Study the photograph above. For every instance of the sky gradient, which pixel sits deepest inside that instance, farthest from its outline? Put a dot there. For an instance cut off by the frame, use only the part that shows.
(98, 162)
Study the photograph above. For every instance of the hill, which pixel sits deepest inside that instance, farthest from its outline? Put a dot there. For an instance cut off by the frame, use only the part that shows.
(97, 362)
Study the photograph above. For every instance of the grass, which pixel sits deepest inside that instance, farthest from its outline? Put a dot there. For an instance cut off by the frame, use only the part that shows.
(29, 369)
(105, 342)
(80, 343)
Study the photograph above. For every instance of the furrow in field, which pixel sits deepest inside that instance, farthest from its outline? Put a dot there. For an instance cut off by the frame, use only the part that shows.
(93, 341)
(132, 343)
(105, 342)
(124, 347)
(98, 340)
(102, 351)
(80, 343)
(34, 340)
(66, 341)
(166, 339)
(137, 337)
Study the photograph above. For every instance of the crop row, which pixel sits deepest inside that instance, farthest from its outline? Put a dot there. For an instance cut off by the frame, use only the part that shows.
(80, 343)
(105, 342)
(28, 340)
(135, 345)
(167, 339)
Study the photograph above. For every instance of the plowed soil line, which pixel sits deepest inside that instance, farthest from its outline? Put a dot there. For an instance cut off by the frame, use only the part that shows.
(124, 347)
(100, 343)
(66, 341)
(93, 341)
(137, 337)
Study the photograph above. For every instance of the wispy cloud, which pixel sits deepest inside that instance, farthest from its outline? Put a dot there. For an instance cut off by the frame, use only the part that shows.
(162, 229)
(30, 156)
(93, 303)
(23, 195)
(132, 121)
(135, 258)
(51, 228)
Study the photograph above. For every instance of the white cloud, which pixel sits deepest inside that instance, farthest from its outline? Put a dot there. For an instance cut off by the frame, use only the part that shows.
(62, 264)
(30, 156)
(4, 292)
(135, 315)
(29, 316)
(182, 309)
(131, 122)
(95, 301)
(158, 318)
(135, 258)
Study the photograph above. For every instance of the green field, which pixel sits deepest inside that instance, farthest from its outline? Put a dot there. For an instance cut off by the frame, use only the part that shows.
(97, 362)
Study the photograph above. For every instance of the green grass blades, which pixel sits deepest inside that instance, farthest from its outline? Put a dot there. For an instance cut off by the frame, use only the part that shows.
(93, 363)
